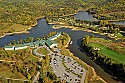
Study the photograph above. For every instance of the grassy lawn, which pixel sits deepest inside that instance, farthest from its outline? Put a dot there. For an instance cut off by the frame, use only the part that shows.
(43, 51)
(15, 28)
(119, 35)
(18, 27)
(118, 57)
(101, 39)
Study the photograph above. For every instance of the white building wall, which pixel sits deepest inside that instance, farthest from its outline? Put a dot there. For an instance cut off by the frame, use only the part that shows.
(21, 47)
(53, 45)
(9, 48)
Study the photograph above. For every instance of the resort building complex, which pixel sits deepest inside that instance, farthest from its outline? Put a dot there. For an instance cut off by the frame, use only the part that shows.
(49, 42)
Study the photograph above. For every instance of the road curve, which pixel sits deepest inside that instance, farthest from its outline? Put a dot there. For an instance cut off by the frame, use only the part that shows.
(36, 53)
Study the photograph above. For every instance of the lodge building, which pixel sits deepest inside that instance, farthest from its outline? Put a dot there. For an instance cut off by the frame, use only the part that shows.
(49, 42)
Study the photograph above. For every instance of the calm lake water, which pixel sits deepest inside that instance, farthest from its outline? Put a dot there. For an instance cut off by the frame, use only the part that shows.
(85, 16)
(120, 22)
(42, 29)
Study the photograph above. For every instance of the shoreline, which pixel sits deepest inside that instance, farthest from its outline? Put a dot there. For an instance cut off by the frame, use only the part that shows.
(24, 31)
(83, 63)
(78, 28)
(31, 26)
(116, 20)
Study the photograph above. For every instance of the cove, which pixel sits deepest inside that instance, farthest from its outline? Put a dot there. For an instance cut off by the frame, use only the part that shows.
(43, 28)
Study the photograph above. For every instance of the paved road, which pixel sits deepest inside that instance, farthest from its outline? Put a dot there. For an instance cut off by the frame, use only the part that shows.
(60, 70)
(36, 53)
(83, 76)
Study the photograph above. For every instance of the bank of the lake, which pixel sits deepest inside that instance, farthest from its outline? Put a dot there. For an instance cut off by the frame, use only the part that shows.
(25, 30)
(43, 28)
(91, 72)
(62, 25)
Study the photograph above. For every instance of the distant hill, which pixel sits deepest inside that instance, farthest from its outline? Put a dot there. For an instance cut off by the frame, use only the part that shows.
(25, 12)
(109, 10)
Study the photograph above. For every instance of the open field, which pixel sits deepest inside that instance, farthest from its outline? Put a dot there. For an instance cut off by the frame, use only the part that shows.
(15, 28)
(116, 56)
(113, 50)
(43, 51)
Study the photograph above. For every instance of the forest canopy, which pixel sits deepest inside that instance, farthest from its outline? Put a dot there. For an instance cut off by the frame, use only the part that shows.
(25, 12)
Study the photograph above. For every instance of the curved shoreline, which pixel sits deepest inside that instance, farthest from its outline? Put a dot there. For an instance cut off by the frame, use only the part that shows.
(77, 28)
(88, 67)
(31, 26)
(24, 31)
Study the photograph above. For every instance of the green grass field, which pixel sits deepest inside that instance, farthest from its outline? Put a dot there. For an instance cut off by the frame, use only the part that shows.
(116, 56)
(43, 51)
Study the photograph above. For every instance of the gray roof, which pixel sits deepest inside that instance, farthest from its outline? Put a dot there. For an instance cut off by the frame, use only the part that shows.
(20, 45)
(8, 46)
(49, 42)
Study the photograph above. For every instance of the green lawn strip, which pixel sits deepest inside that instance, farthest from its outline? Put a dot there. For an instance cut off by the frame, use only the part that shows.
(18, 27)
(118, 35)
(43, 51)
(15, 28)
(121, 48)
(101, 39)
(118, 57)
(33, 58)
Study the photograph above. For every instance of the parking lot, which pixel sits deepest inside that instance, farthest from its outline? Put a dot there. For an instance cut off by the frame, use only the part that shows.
(62, 72)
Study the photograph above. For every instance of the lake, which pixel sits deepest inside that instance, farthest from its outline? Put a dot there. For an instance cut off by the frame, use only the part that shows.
(42, 29)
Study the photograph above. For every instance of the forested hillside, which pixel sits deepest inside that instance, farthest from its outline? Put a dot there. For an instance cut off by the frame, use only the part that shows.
(109, 10)
(24, 12)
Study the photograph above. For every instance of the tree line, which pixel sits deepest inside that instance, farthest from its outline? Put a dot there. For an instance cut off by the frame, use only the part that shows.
(109, 65)
(109, 10)
(25, 12)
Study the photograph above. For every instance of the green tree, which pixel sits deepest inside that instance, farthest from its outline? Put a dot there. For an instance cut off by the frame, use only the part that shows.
(28, 76)
(14, 42)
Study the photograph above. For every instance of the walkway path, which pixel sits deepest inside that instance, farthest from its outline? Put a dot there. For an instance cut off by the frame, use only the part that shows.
(38, 73)
(9, 61)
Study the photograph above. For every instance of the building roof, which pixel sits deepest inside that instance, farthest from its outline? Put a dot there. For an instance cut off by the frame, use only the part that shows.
(8, 46)
(58, 34)
(28, 44)
(54, 36)
(49, 42)
(42, 41)
(20, 45)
